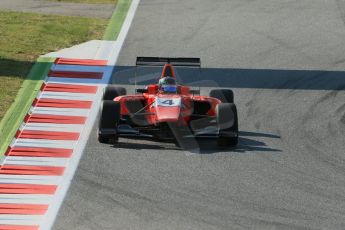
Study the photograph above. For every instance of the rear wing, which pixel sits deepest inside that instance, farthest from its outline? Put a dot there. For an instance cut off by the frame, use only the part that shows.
(161, 61)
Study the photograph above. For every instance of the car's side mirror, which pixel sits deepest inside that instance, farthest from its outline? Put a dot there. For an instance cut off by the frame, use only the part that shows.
(141, 90)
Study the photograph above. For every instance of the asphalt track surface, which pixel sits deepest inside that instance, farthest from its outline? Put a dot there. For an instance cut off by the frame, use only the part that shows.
(59, 8)
(285, 62)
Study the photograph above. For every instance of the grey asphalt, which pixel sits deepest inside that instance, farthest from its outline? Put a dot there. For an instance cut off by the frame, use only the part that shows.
(59, 8)
(285, 61)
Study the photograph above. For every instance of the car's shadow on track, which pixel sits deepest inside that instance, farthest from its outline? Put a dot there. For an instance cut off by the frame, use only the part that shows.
(241, 78)
(245, 145)
(144, 145)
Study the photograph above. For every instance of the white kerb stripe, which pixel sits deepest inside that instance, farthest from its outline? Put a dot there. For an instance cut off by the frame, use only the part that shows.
(25, 198)
(53, 127)
(44, 143)
(21, 219)
(60, 111)
(30, 179)
(68, 96)
(37, 161)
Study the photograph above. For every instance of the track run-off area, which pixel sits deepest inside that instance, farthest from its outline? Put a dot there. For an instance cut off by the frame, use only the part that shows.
(285, 62)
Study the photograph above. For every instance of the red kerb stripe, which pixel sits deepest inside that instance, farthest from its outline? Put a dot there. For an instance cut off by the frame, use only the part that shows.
(31, 170)
(58, 103)
(69, 88)
(39, 152)
(23, 209)
(54, 119)
(48, 135)
(75, 74)
(27, 189)
(18, 227)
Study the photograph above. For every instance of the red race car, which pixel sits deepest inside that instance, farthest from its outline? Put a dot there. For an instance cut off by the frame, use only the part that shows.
(167, 110)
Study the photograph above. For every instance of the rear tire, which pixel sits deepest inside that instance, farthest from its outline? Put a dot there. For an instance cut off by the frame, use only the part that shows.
(224, 95)
(110, 117)
(112, 91)
(227, 121)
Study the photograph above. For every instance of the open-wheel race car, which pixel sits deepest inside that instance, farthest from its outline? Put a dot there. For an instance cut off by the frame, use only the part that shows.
(166, 110)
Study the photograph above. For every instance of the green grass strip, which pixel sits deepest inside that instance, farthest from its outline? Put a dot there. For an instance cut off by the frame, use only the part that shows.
(117, 20)
(27, 93)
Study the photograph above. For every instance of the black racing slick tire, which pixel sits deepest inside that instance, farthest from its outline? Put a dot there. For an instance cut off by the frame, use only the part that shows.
(110, 117)
(112, 91)
(224, 95)
(227, 121)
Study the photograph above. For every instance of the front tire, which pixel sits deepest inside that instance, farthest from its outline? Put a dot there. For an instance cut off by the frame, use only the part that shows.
(110, 117)
(224, 95)
(103, 139)
(227, 121)
(112, 91)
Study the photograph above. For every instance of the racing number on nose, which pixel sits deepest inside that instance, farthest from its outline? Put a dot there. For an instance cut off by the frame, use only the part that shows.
(168, 102)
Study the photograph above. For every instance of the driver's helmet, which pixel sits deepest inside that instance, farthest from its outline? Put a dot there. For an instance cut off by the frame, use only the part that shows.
(167, 85)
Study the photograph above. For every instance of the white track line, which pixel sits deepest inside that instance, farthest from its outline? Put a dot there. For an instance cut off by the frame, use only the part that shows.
(78, 151)
(105, 50)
